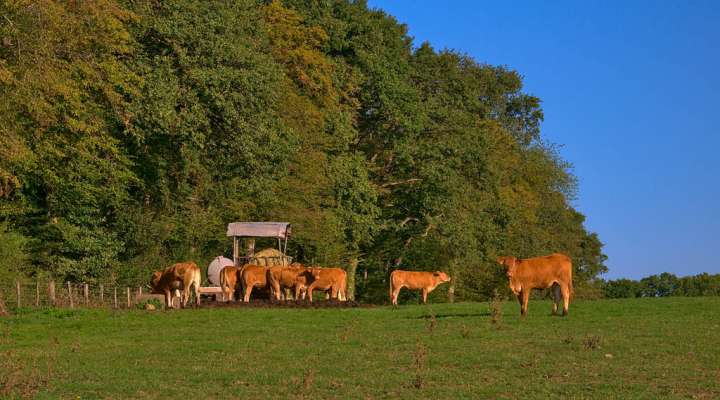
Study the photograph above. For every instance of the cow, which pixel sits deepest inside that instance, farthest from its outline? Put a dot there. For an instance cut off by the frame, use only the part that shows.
(415, 280)
(554, 270)
(304, 279)
(333, 280)
(228, 282)
(180, 276)
(296, 277)
(252, 276)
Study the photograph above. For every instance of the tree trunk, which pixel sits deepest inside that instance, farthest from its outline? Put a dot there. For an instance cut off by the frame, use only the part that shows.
(352, 271)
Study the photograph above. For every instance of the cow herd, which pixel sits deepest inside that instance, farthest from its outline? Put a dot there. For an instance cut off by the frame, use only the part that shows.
(551, 271)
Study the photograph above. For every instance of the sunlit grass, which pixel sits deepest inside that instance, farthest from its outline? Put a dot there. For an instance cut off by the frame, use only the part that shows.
(639, 348)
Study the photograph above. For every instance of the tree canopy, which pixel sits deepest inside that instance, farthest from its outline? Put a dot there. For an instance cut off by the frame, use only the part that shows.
(131, 133)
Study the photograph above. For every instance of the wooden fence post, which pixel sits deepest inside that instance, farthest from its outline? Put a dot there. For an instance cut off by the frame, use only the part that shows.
(128, 297)
(102, 294)
(19, 294)
(70, 295)
(51, 292)
(115, 297)
(37, 293)
(86, 294)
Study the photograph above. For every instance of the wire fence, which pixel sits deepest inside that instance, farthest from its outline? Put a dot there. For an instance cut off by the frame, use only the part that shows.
(42, 294)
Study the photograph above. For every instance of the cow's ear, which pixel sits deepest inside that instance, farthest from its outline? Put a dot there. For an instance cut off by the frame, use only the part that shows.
(436, 273)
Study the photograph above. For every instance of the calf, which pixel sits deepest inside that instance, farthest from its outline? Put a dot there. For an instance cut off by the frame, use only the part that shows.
(554, 270)
(180, 276)
(415, 280)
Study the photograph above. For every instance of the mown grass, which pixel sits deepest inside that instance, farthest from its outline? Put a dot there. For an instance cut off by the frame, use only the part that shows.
(639, 348)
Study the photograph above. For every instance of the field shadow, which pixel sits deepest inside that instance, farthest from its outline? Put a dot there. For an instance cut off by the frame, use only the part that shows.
(457, 315)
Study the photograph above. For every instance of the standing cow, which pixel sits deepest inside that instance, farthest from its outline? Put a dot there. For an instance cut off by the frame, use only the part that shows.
(554, 270)
(180, 276)
(295, 276)
(333, 280)
(414, 280)
(252, 276)
(228, 282)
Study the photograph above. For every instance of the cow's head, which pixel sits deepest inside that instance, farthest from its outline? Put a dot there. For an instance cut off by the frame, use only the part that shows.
(441, 277)
(155, 279)
(315, 272)
(510, 264)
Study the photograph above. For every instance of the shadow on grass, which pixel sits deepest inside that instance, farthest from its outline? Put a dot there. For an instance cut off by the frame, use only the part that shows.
(459, 315)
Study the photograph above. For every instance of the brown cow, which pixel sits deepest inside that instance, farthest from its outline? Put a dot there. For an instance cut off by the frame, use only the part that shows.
(252, 276)
(180, 276)
(553, 271)
(329, 279)
(296, 277)
(414, 280)
(228, 282)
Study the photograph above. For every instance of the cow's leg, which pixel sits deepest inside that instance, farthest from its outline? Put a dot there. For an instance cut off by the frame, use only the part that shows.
(566, 298)
(310, 291)
(248, 291)
(197, 294)
(557, 295)
(395, 294)
(424, 295)
(524, 302)
(168, 298)
(186, 296)
(334, 292)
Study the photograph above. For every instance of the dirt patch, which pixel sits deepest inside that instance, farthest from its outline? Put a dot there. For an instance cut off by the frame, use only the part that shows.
(263, 303)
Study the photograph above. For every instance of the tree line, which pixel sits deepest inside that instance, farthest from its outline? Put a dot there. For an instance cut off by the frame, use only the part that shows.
(663, 285)
(132, 132)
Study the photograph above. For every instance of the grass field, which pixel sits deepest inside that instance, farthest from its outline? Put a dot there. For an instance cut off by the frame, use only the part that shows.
(639, 348)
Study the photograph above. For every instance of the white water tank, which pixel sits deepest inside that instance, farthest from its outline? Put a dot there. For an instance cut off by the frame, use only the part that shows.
(216, 265)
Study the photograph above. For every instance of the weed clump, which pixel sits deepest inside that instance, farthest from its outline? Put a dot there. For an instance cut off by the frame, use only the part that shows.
(591, 342)
(419, 365)
(496, 310)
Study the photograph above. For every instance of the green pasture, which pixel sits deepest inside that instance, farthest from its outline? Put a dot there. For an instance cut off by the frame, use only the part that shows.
(623, 349)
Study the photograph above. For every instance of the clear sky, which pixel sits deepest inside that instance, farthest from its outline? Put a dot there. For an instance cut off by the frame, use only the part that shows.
(632, 92)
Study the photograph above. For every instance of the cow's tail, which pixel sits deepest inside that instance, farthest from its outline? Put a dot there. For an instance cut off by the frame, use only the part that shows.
(223, 283)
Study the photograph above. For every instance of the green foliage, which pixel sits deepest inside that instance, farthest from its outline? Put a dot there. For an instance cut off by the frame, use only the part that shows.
(133, 132)
(663, 285)
(13, 256)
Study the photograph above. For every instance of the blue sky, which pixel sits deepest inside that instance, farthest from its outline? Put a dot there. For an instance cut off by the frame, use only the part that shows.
(632, 92)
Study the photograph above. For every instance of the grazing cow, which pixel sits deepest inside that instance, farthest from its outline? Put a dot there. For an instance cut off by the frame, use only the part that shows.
(180, 276)
(252, 276)
(228, 282)
(414, 280)
(295, 277)
(304, 279)
(333, 280)
(553, 271)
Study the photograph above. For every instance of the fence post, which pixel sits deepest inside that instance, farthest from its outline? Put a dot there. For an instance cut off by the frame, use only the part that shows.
(128, 297)
(115, 297)
(17, 289)
(37, 293)
(51, 292)
(102, 295)
(86, 294)
(70, 295)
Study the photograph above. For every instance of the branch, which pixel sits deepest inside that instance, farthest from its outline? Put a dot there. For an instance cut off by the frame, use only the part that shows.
(396, 183)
